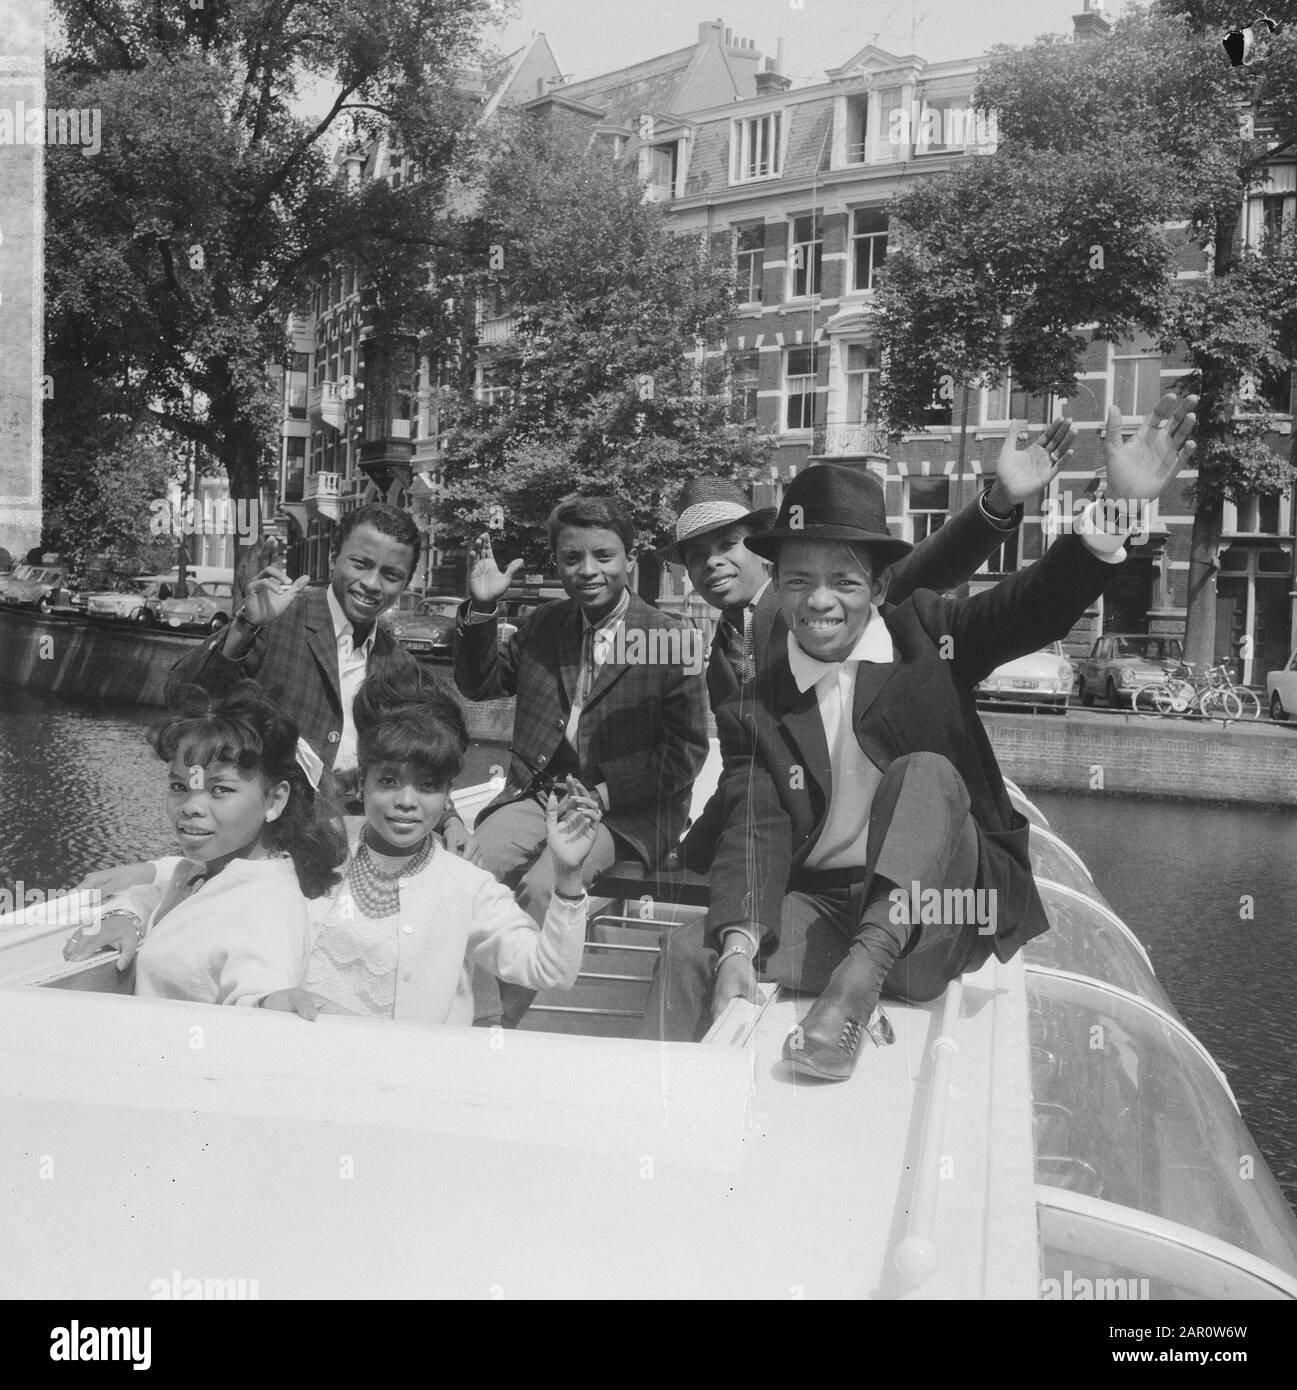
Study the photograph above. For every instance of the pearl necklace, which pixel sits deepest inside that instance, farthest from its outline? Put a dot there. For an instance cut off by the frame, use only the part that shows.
(377, 893)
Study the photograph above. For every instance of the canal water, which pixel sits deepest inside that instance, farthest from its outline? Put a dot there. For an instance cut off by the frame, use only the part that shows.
(1210, 890)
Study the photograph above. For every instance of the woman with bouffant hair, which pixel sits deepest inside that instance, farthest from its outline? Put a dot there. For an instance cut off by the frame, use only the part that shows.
(230, 924)
(411, 921)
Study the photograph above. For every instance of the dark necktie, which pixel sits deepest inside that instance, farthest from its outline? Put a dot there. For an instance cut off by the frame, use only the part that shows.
(738, 643)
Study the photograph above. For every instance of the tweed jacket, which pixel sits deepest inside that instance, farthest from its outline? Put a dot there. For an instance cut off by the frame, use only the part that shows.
(945, 558)
(295, 660)
(643, 728)
(776, 779)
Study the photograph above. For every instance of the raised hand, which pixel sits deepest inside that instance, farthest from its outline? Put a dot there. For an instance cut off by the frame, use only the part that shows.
(571, 836)
(487, 582)
(1022, 473)
(270, 594)
(1143, 465)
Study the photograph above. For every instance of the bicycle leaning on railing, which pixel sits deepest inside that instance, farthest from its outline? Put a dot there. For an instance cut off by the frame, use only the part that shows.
(1183, 692)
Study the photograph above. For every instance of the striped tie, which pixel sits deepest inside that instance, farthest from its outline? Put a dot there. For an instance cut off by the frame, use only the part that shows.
(738, 638)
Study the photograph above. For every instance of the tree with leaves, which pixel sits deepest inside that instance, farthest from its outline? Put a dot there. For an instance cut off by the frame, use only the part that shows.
(174, 256)
(1017, 259)
(614, 377)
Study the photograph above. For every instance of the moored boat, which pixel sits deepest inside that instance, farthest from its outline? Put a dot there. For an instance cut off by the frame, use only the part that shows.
(1049, 1128)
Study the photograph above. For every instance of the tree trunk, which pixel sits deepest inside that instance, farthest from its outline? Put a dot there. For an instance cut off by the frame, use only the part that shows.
(252, 551)
(1200, 615)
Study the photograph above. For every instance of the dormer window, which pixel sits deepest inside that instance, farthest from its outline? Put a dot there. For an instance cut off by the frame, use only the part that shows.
(757, 148)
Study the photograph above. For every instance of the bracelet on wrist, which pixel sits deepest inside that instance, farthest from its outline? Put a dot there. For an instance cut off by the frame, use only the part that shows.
(734, 950)
(571, 897)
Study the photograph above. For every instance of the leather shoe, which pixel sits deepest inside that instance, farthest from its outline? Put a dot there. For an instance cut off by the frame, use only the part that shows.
(827, 1042)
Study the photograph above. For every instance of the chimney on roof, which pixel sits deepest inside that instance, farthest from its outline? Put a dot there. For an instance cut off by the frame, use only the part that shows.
(771, 81)
(1093, 23)
(709, 27)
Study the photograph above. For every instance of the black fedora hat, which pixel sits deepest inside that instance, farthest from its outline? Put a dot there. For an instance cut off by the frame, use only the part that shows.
(832, 502)
(707, 505)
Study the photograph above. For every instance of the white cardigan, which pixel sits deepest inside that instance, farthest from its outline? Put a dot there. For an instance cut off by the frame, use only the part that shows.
(239, 937)
(453, 916)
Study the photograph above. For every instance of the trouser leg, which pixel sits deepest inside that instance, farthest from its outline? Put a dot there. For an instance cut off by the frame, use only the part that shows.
(922, 842)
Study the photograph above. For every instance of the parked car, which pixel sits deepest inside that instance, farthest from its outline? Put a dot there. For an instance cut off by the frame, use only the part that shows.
(1281, 688)
(1042, 678)
(425, 626)
(32, 586)
(137, 600)
(1121, 662)
(208, 606)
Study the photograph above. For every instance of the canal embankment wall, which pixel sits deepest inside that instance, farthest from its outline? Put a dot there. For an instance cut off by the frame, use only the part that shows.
(1081, 751)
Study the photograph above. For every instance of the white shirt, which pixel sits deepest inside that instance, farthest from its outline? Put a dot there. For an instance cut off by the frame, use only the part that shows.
(854, 779)
(352, 663)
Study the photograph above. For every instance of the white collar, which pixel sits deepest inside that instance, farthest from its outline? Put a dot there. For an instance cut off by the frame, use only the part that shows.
(873, 644)
(343, 624)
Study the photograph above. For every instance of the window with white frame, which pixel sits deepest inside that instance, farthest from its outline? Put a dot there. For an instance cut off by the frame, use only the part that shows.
(1007, 402)
(944, 124)
(868, 246)
(1004, 558)
(663, 168)
(1257, 515)
(927, 504)
(806, 256)
(854, 137)
(1272, 208)
(756, 143)
(863, 366)
(894, 133)
(801, 393)
(1136, 379)
(744, 374)
(750, 261)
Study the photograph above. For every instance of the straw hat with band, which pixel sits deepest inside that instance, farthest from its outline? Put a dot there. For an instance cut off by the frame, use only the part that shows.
(708, 505)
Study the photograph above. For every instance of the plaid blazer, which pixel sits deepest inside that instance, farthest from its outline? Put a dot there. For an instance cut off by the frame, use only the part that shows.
(295, 661)
(643, 728)
(922, 702)
(947, 557)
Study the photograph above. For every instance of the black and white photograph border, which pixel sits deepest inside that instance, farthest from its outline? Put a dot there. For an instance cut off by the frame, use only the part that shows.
(1096, 1108)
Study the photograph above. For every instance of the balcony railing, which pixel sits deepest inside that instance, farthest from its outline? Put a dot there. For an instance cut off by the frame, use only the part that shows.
(323, 493)
(500, 330)
(863, 438)
(326, 405)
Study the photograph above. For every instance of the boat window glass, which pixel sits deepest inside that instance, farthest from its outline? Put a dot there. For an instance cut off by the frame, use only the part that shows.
(1126, 1110)
(1084, 940)
(1050, 860)
(1095, 1256)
